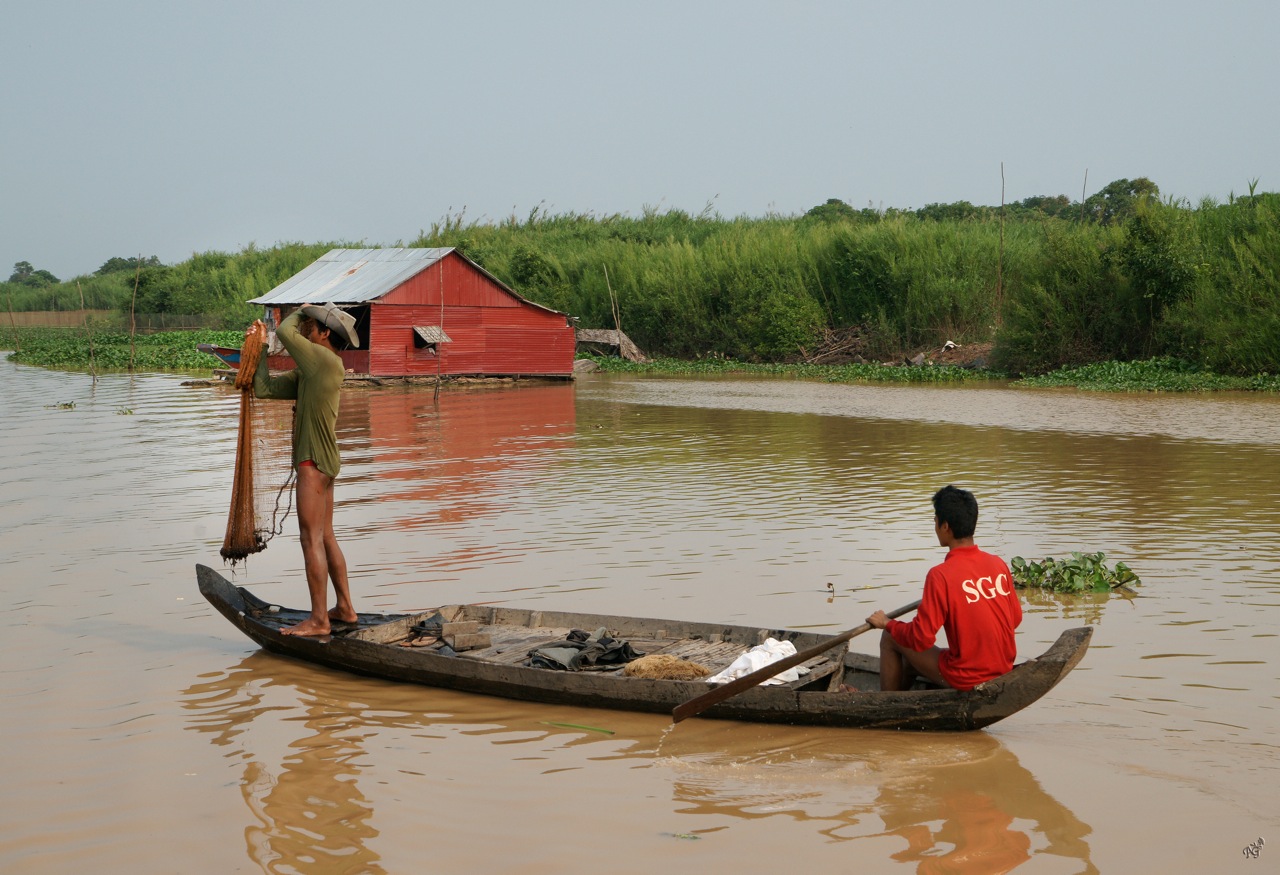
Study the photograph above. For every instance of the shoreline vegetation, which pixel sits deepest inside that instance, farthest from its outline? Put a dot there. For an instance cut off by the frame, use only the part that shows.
(175, 351)
(1152, 375)
(1123, 291)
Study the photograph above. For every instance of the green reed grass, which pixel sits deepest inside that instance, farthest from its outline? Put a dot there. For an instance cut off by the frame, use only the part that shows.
(1165, 280)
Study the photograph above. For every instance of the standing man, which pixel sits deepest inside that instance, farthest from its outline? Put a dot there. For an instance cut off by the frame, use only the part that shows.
(970, 595)
(313, 334)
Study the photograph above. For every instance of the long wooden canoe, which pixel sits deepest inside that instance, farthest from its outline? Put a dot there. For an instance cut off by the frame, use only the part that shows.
(377, 646)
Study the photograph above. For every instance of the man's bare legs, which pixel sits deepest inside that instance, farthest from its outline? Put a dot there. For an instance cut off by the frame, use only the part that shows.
(321, 555)
(900, 666)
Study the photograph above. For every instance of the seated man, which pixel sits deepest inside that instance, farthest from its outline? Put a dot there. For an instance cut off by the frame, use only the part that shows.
(970, 595)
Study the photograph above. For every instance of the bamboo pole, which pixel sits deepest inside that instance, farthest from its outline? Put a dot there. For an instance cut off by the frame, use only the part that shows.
(613, 304)
(1084, 188)
(1000, 258)
(435, 398)
(13, 323)
(133, 306)
(84, 312)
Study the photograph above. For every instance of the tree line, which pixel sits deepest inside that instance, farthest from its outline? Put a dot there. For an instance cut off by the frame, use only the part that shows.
(1121, 275)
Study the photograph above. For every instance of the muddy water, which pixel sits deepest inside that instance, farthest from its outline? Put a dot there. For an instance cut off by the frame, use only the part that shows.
(142, 734)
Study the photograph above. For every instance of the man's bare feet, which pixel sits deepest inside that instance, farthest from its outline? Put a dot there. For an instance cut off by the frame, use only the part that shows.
(339, 616)
(308, 628)
(845, 688)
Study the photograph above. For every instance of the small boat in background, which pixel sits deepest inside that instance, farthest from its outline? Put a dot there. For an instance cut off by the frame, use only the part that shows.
(229, 357)
(496, 662)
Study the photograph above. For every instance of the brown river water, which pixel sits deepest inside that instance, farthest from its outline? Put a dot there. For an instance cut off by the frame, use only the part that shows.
(143, 734)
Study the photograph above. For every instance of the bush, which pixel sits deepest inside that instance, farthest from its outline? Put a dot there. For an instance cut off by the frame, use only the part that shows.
(1231, 320)
(1071, 306)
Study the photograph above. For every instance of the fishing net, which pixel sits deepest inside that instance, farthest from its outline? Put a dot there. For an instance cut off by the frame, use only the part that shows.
(260, 493)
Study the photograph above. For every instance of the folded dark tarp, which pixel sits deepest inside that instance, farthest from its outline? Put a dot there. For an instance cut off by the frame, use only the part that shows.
(582, 651)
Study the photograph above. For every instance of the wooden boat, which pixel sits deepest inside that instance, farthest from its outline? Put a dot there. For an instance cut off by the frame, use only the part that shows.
(231, 357)
(382, 646)
(224, 354)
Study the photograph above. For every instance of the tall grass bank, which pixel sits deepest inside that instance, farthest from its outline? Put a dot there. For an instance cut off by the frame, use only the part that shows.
(1122, 276)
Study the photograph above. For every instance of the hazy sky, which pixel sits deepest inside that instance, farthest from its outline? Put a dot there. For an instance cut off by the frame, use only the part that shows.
(164, 129)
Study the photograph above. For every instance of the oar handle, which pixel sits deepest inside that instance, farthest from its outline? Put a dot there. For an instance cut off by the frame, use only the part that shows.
(727, 691)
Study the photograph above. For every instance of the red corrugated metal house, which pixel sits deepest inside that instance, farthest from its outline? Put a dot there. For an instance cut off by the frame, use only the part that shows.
(422, 312)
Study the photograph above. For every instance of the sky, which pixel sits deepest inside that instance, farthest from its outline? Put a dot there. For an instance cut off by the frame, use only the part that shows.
(167, 129)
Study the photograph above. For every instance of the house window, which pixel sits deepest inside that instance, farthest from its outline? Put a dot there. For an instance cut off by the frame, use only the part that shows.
(429, 337)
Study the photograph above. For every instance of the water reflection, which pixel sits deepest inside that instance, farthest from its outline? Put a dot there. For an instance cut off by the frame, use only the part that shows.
(948, 803)
(310, 816)
(979, 817)
(960, 803)
(449, 450)
(1060, 473)
(724, 502)
(1082, 608)
(448, 474)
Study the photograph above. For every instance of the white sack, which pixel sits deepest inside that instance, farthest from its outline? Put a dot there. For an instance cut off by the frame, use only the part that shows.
(757, 658)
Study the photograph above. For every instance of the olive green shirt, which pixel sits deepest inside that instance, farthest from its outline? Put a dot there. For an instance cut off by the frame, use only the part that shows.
(316, 384)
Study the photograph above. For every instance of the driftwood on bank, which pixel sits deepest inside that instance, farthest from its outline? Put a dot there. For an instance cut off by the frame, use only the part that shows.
(614, 339)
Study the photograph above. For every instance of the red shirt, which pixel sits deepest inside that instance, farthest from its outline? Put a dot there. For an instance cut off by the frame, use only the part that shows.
(971, 596)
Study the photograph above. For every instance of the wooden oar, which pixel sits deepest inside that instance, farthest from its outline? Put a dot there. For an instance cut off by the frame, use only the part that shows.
(701, 703)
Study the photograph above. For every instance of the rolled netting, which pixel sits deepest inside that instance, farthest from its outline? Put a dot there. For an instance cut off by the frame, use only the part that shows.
(263, 470)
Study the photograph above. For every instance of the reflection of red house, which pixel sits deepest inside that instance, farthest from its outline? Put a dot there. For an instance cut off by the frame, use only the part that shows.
(423, 312)
(450, 455)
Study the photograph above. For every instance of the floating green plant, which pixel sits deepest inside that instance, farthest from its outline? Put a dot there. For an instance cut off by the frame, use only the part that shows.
(1153, 375)
(851, 373)
(1083, 572)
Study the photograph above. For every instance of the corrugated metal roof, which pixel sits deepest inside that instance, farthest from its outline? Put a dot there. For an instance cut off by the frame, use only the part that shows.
(352, 276)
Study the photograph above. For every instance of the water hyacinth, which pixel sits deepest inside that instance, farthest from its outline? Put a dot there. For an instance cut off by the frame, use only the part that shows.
(1164, 374)
(1083, 572)
(113, 350)
(847, 373)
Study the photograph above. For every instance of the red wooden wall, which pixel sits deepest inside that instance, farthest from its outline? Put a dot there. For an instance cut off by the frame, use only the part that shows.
(491, 332)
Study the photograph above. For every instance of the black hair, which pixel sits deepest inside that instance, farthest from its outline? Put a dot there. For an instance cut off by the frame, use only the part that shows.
(336, 340)
(958, 509)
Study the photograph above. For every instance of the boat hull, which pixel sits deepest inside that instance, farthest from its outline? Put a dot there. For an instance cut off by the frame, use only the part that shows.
(224, 354)
(374, 647)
